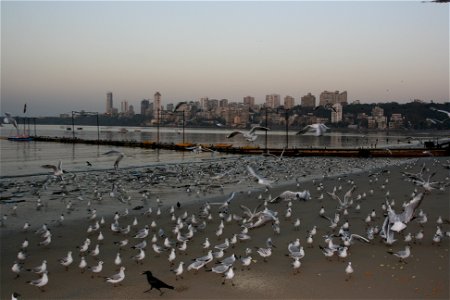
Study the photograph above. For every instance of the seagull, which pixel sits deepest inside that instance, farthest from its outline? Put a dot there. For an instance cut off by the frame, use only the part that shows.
(319, 129)
(261, 180)
(41, 282)
(229, 275)
(399, 221)
(442, 111)
(67, 260)
(250, 135)
(15, 296)
(40, 269)
(156, 283)
(402, 254)
(296, 265)
(118, 159)
(117, 278)
(289, 195)
(16, 268)
(139, 257)
(96, 269)
(264, 252)
(178, 270)
(349, 271)
(57, 170)
(10, 120)
(83, 264)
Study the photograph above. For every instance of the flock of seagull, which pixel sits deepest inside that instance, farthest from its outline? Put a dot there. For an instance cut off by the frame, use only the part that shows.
(223, 233)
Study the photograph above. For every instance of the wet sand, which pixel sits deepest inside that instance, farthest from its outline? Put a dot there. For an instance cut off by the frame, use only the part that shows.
(377, 274)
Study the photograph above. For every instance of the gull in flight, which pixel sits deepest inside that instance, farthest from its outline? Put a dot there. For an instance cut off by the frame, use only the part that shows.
(399, 221)
(318, 129)
(249, 136)
(442, 111)
(10, 120)
(118, 159)
(289, 195)
(57, 170)
(261, 180)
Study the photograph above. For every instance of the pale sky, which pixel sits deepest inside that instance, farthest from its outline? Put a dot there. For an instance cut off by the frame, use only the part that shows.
(64, 56)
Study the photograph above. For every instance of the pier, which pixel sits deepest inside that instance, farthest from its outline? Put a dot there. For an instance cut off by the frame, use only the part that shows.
(430, 149)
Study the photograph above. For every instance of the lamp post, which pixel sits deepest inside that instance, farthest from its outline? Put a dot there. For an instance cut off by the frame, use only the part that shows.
(181, 107)
(90, 113)
(286, 119)
(265, 137)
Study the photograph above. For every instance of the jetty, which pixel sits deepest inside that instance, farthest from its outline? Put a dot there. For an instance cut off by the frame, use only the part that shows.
(429, 149)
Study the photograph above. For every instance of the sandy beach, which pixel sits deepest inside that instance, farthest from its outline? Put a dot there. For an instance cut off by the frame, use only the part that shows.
(377, 273)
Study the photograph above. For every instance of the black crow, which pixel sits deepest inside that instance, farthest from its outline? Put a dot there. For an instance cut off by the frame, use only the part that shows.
(156, 283)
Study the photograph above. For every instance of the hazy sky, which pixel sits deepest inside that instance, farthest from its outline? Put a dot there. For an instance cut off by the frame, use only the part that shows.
(63, 56)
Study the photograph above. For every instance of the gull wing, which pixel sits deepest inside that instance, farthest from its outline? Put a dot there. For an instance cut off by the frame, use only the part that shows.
(233, 134)
(182, 105)
(111, 152)
(257, 128)
(49, 167)
(247, 211)
(408, 212)
(349, 193)
(359, 237)
(252, 172)
(304, 130)
(442, 111)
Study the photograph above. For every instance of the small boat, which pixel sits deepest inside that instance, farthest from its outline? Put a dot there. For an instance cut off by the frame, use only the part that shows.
(20, 138)
(68, 128)
(79, 128)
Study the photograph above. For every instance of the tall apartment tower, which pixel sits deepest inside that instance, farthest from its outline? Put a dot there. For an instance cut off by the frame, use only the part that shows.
(145, 105)
(249, 100)
(289, 102)
(308, 100)
(333, 98)
(109, 103)
(124, 106)
(273, 100)
(157, 105)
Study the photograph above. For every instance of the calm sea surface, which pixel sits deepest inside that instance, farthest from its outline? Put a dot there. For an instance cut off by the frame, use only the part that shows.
(20, 158)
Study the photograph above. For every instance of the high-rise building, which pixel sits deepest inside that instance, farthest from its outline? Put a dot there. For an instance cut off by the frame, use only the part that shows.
(249, 100)
(204, 103)
(109, 103)
(336, 114)
(223, 103)
(273, 100)
(333, 98)
(289, 102)
(308, 100)
(124, 106)
(130, 110)
(145, 106)
(157, 105)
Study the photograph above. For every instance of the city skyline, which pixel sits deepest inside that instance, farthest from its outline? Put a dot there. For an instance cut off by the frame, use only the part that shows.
(63, 56)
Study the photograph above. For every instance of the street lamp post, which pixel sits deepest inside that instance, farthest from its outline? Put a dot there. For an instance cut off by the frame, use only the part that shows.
(85, 113)
(265, 140)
